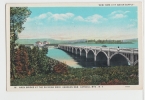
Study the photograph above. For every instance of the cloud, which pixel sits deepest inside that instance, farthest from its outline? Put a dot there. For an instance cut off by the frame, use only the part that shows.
(66, 16)
(93, 19)
(116, 16)
(61, 16)
(29, 19)
(119, 14)
(79, 18)
(51, 16)
(38, 23)
(42, 16)
(132, 23)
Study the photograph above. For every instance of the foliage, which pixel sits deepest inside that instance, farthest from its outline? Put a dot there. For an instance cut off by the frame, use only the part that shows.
(60, 68)
(21, 62)
(18, 16)
(123, 75)
(114, 82)
(33, 61)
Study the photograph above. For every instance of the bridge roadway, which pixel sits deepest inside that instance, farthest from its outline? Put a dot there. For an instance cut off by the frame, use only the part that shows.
(131, 55)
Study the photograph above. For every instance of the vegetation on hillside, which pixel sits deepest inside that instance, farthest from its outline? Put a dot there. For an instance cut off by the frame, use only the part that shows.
(84, 76)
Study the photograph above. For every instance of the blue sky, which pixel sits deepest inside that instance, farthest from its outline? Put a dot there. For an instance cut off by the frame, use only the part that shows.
(69, 23)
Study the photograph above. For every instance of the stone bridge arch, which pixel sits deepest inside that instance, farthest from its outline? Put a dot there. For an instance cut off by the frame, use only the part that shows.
(70, 48)
(90, 51)
(101, 58)
(74, 50)
(91, 55)
(78, 51)
(121, 56)
(102, 52)
(83, 52)
(64, 48)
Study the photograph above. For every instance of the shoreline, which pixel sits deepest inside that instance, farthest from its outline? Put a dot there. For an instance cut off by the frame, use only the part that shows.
(57, 61)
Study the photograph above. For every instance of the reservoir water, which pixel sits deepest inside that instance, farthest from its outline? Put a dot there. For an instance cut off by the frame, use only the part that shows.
(75, 61)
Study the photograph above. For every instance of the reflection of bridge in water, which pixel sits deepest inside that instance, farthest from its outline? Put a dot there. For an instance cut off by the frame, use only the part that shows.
(103, 56)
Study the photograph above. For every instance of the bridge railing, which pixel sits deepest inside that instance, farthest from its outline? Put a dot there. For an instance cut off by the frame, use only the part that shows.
(104, 48)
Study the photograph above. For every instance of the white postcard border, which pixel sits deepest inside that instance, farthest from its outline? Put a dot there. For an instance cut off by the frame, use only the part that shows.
(77, 87)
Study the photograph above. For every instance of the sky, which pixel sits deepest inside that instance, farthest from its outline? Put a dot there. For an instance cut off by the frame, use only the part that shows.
(71, 23)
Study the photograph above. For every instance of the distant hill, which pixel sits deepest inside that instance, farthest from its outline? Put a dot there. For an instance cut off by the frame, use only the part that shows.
(131, 40)
(32, 41)
(52, 41)
(75, 41)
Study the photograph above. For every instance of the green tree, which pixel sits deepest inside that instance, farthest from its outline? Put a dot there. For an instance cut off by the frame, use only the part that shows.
(18, 15)
(42, 60)
(21, 62)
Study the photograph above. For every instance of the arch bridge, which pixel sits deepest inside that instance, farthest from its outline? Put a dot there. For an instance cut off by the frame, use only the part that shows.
(110, 54)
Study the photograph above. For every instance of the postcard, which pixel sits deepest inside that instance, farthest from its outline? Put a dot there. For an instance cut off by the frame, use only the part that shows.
(74, 46)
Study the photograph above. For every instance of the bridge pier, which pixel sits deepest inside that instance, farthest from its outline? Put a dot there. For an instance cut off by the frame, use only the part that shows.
(108, 61)
(108, 58)
(86, 57)
(131, 63)
(132, 58)
(95, 58)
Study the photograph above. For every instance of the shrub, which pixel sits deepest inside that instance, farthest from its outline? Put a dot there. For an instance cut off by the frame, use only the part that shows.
(60, 68)
(114, 82)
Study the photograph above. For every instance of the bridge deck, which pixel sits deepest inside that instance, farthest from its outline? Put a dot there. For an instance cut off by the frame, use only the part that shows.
(123, 50)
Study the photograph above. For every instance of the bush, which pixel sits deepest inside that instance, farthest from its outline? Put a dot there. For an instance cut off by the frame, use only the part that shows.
(114, 82)
(60, 68)
(64, 75)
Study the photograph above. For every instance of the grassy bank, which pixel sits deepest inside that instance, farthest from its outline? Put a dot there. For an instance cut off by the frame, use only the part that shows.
(122, 75)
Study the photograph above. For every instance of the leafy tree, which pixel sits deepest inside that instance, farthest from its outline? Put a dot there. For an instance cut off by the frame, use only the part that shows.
(18, 15)
(42, 60)
(21, 62)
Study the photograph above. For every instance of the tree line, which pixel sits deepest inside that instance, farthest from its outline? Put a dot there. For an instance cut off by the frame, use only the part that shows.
(106, 41)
